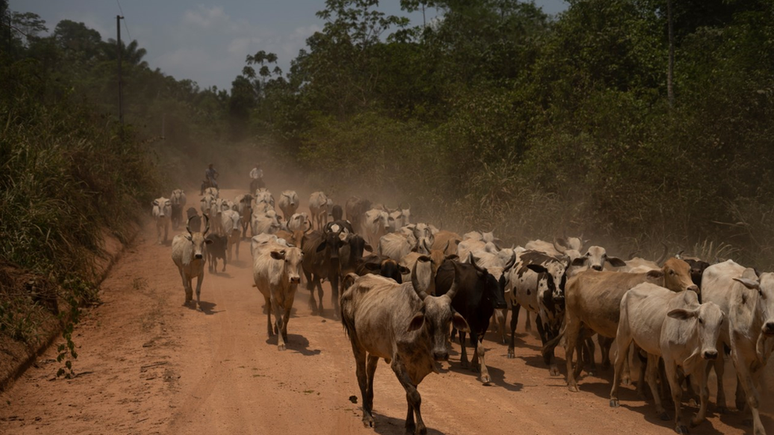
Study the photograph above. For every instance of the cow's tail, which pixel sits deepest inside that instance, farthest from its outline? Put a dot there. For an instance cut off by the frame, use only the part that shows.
(347, 306)
(551, 344)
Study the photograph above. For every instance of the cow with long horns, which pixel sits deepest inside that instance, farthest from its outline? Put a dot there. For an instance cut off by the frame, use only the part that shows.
(188, 253)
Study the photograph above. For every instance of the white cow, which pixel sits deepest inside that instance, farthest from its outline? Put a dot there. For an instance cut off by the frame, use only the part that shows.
(318, 206)
(232, 229)
(673, 326)
(288, 203)
(263, 195)
(374, 225)
(749, 301)
(277, 273)
(189, 254)
(261, 241)
(298, 221)
(265, 222)
(162, 209)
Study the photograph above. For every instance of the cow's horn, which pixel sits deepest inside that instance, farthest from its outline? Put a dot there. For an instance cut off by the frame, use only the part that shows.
(415, 281)
(559, 246)
(188, 225)
(454, 286)
(664, 254)
(472, 260)
(206, 225)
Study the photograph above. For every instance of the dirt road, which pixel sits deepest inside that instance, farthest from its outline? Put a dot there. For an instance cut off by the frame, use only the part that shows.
(149, 365)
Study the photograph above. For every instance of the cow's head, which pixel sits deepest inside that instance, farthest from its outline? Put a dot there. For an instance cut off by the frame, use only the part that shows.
(763, 299)
(198, 239)
(394, 220)
(708, 319)
(436, 313)
(334, 238)
(292, 198)
(161, 207)
(595, 258)
(492, 290)
(676, 274)
(293, 257)
(551, 281)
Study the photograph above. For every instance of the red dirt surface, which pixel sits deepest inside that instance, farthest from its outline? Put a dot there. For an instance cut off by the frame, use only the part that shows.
(148, 365)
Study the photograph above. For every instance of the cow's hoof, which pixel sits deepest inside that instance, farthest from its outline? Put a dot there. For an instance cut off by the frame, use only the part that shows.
(486, 379)
(682, 430)
(614, 403)
(199, 308)
(554, 371)
(368, 421)
(573, 388)
(626, 380)
(695, 421)
(511, 355)
(281, 347)
(664, 416)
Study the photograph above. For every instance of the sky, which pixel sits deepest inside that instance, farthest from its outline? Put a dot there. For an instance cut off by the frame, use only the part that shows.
(207, 41)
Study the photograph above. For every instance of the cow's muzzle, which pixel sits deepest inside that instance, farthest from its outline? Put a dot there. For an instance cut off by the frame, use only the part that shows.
(198, 256)
(710, 355)
(768, 329)
(597, 267)
(501, 304)
(295, 279)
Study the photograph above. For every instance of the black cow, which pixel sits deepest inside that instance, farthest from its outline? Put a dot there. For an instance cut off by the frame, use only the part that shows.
(384, 266)
(478, 296)
(321, 260)
(215, 250)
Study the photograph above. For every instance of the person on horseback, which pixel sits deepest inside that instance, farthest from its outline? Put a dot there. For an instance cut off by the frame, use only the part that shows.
(210, 176)
(256, 178)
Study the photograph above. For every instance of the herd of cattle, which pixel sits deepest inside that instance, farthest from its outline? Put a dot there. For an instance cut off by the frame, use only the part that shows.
(400, 302)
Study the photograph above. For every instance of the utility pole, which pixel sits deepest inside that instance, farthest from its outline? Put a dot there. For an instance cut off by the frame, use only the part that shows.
(671, 65)
(120, 82)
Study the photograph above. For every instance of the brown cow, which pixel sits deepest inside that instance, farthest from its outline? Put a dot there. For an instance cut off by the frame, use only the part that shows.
(405, 327)
(593, 301)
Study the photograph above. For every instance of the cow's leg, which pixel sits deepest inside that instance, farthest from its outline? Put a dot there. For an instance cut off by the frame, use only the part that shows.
(572, 331)
(624, 339)
(605, 343)
(413, 398)
(310, 286)
(481, 357)
(527, 324)
(514, 321)
(270, 329)
(740, 399)
(499, 319)
(335, 296)
(463, 353)
(548, 356)
(185, 287)
(320, 294)
(286, 318)
(278, 322)
(368, 396)
(199, 280)
(650, 376)
(677, 394)
(718, 364)
(587, 353)
(362, 380)
(745, 377)
(701, 380)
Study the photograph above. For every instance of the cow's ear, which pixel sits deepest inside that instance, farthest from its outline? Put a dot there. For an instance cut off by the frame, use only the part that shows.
(278, 255)
(537, 268)
(752, 285)
(417, 321)
(460, 323)
(403, 270)
(615, 262)
(655, 274)
(207, 241)
(322, 246)
(368, 248)
(580, 261)
(681, 314)
(188, 237)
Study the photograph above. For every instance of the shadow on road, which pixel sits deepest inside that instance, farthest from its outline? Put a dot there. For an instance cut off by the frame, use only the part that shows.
(295, 342)
(385, 425)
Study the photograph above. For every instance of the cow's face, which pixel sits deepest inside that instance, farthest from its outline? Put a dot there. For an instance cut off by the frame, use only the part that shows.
(198, 243)
(764, 285)
(435, 316)
(335, 237)
(551, 281)
(293, 257)
(394, 221)
(709, 318)
(162, 207)
(595, 258)
(677, 276)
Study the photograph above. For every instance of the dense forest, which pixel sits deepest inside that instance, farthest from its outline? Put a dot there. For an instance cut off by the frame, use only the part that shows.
(493, 115)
